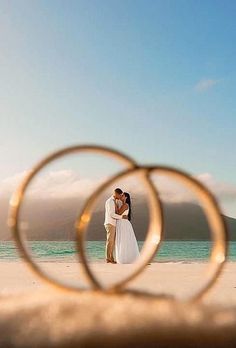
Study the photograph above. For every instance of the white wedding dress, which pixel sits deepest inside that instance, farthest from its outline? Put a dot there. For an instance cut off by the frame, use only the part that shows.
(126, 246)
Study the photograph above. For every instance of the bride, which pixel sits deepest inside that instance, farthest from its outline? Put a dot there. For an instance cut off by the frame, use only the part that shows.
(126, 246)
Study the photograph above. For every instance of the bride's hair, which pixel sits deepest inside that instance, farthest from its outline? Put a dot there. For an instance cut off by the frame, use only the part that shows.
(128, 201)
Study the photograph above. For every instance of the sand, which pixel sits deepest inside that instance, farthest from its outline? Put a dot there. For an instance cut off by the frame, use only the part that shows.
(32, 314)
(177, 279)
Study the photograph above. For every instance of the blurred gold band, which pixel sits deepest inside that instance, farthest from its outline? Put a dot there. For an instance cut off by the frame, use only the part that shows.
(18, 197)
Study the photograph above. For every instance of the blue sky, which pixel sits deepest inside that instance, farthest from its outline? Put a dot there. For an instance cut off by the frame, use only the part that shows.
(153, 78)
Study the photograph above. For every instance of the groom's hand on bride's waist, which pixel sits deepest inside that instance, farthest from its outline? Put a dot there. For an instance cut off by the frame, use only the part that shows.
(125, 217)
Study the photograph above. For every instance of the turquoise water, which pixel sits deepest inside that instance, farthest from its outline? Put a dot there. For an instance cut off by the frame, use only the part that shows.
(170, 251)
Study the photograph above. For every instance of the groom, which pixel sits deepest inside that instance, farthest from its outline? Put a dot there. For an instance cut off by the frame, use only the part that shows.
(110, 223)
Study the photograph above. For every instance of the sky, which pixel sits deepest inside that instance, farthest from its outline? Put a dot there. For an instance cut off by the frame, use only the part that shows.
(155, 79)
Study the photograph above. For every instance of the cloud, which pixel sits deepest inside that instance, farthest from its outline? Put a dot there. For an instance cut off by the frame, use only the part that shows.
(223, 191)
(205, 84)
(67, 184)
(54, 184)
(8, 185)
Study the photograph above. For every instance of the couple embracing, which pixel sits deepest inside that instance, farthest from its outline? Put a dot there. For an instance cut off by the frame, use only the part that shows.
(121, 244)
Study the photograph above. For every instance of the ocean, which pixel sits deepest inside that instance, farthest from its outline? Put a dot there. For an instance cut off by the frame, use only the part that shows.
(170, 251)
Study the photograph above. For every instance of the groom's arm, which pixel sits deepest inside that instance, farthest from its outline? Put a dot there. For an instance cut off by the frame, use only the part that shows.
(122, 209)
(112, 212)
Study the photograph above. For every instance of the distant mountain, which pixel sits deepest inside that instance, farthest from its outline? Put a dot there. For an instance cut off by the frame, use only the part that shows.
(54, 220)
(181, 222)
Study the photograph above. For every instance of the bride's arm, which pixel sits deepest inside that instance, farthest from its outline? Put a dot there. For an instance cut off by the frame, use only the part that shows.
(121, 210)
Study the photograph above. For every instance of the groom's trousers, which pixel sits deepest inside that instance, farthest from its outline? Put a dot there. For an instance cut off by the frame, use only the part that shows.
(110, 243)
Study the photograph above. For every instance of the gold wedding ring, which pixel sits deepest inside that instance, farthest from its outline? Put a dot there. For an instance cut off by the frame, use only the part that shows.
(155, 229)
(18, 197)
(214, 217)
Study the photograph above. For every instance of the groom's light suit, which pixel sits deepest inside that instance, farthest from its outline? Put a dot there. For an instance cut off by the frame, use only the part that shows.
(110, 226)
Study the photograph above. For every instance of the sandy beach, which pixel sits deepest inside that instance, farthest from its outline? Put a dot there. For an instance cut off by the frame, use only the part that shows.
(178, 279)
(35, 315)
